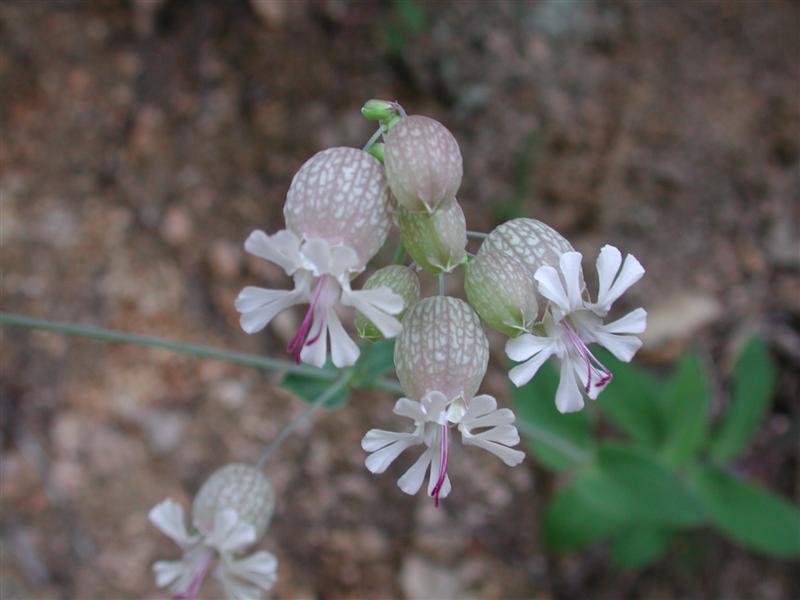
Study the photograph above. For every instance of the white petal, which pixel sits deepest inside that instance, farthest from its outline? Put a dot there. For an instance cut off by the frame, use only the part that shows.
(551, 287)
(379, 461)
(344, 260)
(478, 407)
(570, 263)
(504, 416)
(283, 248)
(316, 353)
(624, 347)
(434, 403)
(344, 351)
(377, 305)
(168, 517)
(568, 396)
(526, 345)
(497, 443)
(169, 571)
(257, 316)
(608, 263)
(230, 533)
(634, 322)
(412, 479)
(317, 256)
(434, 475)
(375, 439)
(411, 409)
(246, 578)
(522, 374)
(631, 272)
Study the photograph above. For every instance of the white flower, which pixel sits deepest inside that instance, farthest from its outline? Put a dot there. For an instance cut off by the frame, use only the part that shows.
(572, 322)
(322, 274)
(433, 417)
(241, 578)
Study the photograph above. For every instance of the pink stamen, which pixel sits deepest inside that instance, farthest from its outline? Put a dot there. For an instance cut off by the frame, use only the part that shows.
(442, 466)
(299, 340)
(592, 362)
(197, 579)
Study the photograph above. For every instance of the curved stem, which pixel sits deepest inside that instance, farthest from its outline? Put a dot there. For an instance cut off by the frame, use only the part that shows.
(267, 453)
(375, 136)
(109, 335)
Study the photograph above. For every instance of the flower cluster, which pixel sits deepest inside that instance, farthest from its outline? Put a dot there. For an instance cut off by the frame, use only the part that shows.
(526, 281)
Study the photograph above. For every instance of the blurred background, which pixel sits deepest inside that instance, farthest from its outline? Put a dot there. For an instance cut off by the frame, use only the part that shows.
(143, 140)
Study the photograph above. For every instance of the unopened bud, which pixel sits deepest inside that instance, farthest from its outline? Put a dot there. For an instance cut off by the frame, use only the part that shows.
(501, 290)
(378, 110)
(436, 241)
(442, 347)
(401, 280)
(243, 488)
(423, 163)
(339, 195)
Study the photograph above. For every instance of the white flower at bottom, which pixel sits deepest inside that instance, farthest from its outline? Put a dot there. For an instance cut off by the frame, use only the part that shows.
(230, 513)
(572, 323)
(433, 417)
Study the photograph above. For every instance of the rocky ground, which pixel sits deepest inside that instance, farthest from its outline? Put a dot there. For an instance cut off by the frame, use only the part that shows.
(143, 140)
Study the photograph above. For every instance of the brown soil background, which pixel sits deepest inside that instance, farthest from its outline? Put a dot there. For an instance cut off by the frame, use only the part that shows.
(142, 141)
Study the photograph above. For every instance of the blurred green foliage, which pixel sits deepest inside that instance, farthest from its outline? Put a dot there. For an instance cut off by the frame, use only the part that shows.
(408, 21)
(670, 471)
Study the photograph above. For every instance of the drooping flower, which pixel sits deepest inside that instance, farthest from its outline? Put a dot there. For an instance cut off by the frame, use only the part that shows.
(437, 241)
(501, 290)
(337, 216)
(230, 513)
(440, 358)
(572, 322)
(401, 280)
(423, 163)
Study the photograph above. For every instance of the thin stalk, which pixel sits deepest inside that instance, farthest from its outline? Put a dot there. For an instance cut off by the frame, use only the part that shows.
(441, 284)
(477, 234)
(270, 449)
(110, 335)
(375, 136)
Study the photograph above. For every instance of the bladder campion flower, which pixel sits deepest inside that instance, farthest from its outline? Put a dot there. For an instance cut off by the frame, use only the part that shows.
(573, 322)
(402, 281)
(337, 217)
(436, 241)
(230, 513)
(440, 358)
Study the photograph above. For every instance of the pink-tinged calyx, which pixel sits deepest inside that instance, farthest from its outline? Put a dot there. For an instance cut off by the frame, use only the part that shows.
(423, 163)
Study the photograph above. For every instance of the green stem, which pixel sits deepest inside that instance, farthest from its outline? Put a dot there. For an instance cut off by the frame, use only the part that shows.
(268, 451)
(109, 335)
(477, 234)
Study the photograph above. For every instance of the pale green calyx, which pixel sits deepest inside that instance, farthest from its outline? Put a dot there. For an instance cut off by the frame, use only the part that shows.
(436, 241)
(240, 487)
(501, 290)
(442, 348)
(401, 280)
(378, 110)
(529, 241)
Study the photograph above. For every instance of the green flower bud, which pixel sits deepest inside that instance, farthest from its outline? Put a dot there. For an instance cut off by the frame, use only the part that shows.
(436, 241)
(244, 488)
(378, 110)
(501, 290)
(377, 151)
(401, 280)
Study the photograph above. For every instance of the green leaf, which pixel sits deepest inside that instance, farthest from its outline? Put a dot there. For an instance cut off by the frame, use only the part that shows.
(640, 546)
(631, 402)
(751, 515)
(753, 384)
(570, 523)
(628, 483)
(311, 388)
(376, 359)
(686, 400)
(559, 441)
